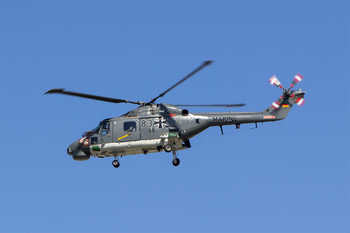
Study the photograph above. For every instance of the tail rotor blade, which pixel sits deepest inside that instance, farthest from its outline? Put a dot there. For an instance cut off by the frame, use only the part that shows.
(297, 79)
(277, 104)
(275, 82)
(300, 101)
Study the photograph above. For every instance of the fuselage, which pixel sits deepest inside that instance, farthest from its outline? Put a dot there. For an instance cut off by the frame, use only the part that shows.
(148, 128)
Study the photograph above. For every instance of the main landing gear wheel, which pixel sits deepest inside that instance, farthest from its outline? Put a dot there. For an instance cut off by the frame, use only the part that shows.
(176, 162)
(115, 163)
(167, 148)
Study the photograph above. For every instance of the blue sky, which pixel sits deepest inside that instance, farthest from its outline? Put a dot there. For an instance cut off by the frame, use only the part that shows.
(287, 177)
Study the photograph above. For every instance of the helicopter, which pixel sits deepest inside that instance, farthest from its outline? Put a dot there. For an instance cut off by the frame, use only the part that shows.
(154, 127)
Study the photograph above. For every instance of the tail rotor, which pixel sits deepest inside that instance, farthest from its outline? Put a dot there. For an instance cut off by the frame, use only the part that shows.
(286, 92)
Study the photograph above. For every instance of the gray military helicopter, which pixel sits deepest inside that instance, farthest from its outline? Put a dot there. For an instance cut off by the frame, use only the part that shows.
(160, 127)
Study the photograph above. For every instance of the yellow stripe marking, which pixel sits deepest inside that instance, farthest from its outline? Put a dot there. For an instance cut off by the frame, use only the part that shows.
(124, 136)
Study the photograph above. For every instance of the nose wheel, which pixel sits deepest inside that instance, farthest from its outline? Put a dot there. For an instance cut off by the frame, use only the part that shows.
(168, 148)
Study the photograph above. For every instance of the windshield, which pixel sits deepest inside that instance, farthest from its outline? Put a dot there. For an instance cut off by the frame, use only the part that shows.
(95, 131)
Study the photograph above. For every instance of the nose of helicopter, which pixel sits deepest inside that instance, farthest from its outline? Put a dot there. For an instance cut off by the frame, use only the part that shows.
(73, 147)
(79, 149)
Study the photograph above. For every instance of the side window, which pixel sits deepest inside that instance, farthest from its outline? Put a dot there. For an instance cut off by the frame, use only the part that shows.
(130, 126)
(93, 140)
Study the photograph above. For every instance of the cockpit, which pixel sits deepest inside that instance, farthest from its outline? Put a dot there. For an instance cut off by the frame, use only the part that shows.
(103, 127)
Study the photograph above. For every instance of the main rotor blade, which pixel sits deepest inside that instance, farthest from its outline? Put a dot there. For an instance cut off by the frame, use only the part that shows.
(88, 96)
(210, 105)
(182, 80)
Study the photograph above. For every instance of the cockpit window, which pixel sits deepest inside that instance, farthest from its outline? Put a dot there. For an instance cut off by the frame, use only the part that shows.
(105, 128)
(105, 125)
(130, 126)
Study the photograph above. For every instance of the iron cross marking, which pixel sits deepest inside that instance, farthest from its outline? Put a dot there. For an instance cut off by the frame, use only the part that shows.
(160, 123)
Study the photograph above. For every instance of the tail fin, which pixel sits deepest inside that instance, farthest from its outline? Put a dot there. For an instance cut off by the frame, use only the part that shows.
(281, 107)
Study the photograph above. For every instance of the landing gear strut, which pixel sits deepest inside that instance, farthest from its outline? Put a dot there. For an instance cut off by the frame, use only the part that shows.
(176, 161)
